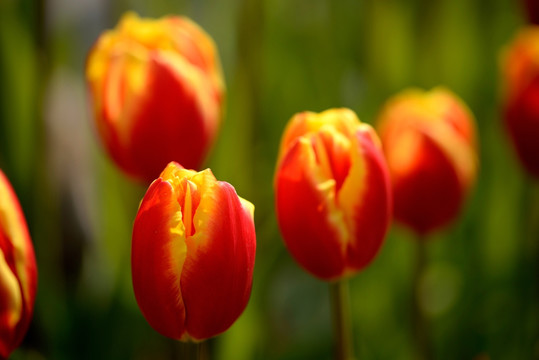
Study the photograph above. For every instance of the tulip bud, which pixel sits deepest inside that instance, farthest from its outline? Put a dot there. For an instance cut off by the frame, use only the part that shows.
(521, 97)
(157, 91)
(18, 271)
(429, 143)
(332, 191)
(193, 254)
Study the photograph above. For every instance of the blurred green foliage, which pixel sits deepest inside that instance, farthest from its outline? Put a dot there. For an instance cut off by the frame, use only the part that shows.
(279, 57)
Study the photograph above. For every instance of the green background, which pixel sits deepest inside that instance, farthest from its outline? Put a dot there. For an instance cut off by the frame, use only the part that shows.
(481, 292)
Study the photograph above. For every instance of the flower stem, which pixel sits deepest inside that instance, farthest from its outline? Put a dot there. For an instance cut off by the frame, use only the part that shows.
(190, 350)
(529, 263)
(340, 303)
(202, 351)
(419, 322)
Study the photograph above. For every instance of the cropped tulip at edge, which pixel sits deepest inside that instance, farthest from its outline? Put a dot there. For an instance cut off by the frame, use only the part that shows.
(429, 142)
(157, 91)
(193, 254)
(18, 271)
(332, 189)
(521, 96)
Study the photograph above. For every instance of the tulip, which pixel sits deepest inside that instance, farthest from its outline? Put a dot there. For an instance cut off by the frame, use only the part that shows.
(18, 271)
(193, 254)
(521, 97)
(429, 142)
(157, 93)
(333, 196)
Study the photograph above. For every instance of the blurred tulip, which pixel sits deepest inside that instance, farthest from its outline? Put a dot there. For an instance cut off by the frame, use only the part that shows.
(193, 254)
(157, 91)
(18, 271)
(521, 103)
(333, 194)
(429, 142)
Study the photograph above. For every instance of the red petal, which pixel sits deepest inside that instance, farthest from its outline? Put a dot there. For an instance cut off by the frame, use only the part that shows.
(429, 195)
(157, 258)
(372, 214)
(19, 266)
(304, 215)
(173, 122)
(217, 275)
(522, 122)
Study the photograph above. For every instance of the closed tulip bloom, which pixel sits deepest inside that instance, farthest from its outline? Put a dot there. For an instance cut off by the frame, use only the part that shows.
(18, 271)
(157, 92)
(429, 142)
(521, 96)
(332, 190)
(193, 254)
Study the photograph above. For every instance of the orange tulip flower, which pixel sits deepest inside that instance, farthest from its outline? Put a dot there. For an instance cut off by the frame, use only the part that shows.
(429, 142)
(193, 254)
(521, 103)
(157, 92)
(333, 194)
(18, 271)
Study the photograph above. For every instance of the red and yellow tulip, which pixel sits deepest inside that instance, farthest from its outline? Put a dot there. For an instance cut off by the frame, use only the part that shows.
(157, 92)
(332, 192)
(429, 142)
(521, 96)
(193, 254)
(18, 271)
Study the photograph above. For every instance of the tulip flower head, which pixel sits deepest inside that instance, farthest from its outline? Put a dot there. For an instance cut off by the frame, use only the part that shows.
(193, 254)
(332, 189)
(157, 91)
(521, 103)
(18, 271)
(429, 142)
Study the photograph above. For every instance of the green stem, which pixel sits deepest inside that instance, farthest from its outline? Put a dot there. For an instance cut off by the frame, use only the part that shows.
(190, 350)
(340, 303)
(202, 351)
(529, 265)
(531, 247)
(419, 322)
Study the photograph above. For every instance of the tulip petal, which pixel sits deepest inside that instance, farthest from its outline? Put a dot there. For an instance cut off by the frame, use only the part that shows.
(17, 269)
(430, 193)
(157, 258)
(11, 306)
(522, 123)
(217, 274)
(366, 200)
(177, 99)
(197, 46)
(313, 229)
